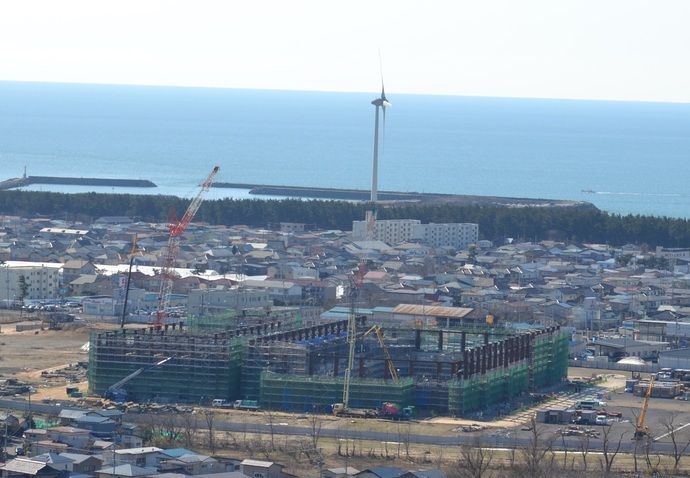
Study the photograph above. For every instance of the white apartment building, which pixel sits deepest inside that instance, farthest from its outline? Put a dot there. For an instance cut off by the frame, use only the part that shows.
(396, 231)
(390, 231)
(213, 301)
(43, 282)
(456, 235)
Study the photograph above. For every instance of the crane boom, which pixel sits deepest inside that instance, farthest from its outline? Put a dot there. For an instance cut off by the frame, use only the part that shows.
(389, 360)
(177, 228)
(641, 429)
(115, 391)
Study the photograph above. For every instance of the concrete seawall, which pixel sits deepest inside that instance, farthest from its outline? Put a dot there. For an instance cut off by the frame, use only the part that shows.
(129, 183)
(400, 197)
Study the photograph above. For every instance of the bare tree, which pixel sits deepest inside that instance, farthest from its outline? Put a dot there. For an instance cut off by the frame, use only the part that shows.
(271, 419)
(210, 417)
(474, 460)
(584, 448)
(609, 449)
(315, 424)
(678, 447)
(651, 458)
(534, 462)
(404, 436)
(190, 427)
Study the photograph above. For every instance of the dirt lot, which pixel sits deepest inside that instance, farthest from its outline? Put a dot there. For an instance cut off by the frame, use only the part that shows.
(42, 357)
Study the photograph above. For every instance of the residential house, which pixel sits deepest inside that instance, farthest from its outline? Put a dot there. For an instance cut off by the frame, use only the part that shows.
(75, 268)
(115, 415)
(27, 468)
(435, 473)
(81, 463)
(287, 292)
(58, 462)
(125, 471)
(9, 422)
(342, 472)
(149, 456)
(68, 417)
(92, 284)
(75, 438)
(262, 469)
(130, 436)
(99, 426)
(381, 472)
(192, 464)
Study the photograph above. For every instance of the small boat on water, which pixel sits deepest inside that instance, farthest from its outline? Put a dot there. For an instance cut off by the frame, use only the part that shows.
(588, 191)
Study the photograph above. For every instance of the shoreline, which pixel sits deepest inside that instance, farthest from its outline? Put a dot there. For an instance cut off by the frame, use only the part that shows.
(14, 183)
(307, 192)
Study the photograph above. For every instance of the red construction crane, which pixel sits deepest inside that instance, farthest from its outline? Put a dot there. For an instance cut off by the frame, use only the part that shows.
(177, 228)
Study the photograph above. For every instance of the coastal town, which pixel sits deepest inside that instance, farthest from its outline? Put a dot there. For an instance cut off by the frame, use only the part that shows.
(287, 289)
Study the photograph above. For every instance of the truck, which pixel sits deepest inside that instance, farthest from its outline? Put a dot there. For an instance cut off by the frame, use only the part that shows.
(340, 410)
(589, 404)
(251, 405)
(220, 403)
(393, 411)
(587, 417)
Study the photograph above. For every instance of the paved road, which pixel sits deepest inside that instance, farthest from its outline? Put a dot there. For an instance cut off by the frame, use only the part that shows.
(510, 439)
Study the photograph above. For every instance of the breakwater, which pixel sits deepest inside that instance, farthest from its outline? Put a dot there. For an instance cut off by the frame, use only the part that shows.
(109, 182)
(396, 197)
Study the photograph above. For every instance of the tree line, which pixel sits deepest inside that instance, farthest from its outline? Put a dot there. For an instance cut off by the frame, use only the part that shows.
(588, 225)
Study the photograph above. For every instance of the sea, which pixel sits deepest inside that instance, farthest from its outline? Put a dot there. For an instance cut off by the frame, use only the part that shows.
(623, 157)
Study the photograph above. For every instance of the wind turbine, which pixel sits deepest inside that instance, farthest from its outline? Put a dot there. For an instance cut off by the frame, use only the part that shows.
(380, 103)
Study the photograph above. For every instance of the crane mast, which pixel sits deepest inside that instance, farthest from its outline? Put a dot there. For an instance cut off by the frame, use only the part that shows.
(352, 332)
(355, 291)
(177, 228)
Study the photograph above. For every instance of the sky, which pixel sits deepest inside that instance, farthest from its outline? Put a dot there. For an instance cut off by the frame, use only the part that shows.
(628, 50)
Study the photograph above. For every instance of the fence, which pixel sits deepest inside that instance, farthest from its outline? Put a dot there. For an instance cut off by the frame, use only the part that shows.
(24, 327)
(623, 367)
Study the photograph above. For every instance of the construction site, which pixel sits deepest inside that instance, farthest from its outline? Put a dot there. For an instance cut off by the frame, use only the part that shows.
(453, 369)
(438, 370)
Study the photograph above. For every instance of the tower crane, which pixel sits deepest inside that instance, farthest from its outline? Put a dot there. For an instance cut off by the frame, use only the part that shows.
(642, 430)
(177, 228)
(389, 360)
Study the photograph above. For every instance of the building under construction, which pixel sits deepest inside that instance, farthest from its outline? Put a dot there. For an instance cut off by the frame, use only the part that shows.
(451, 370)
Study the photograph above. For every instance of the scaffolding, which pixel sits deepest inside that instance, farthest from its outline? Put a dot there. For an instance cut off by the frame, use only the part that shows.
(442, 370)
(202, 366)
(315, 393)
(489, 389)
(213, 323)
(550, 359)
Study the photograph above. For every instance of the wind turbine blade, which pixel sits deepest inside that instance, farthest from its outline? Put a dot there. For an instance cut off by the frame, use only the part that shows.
(383, 89)
(383, 132)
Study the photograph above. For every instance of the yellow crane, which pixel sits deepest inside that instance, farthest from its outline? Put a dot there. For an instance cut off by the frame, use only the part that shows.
(642, 430)
(389, 360)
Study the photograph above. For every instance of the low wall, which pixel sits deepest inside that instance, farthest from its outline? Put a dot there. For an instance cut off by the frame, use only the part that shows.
(25, 327)
(623, 367)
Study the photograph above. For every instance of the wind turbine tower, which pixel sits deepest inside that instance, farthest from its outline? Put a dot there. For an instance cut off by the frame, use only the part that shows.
(380, 104)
